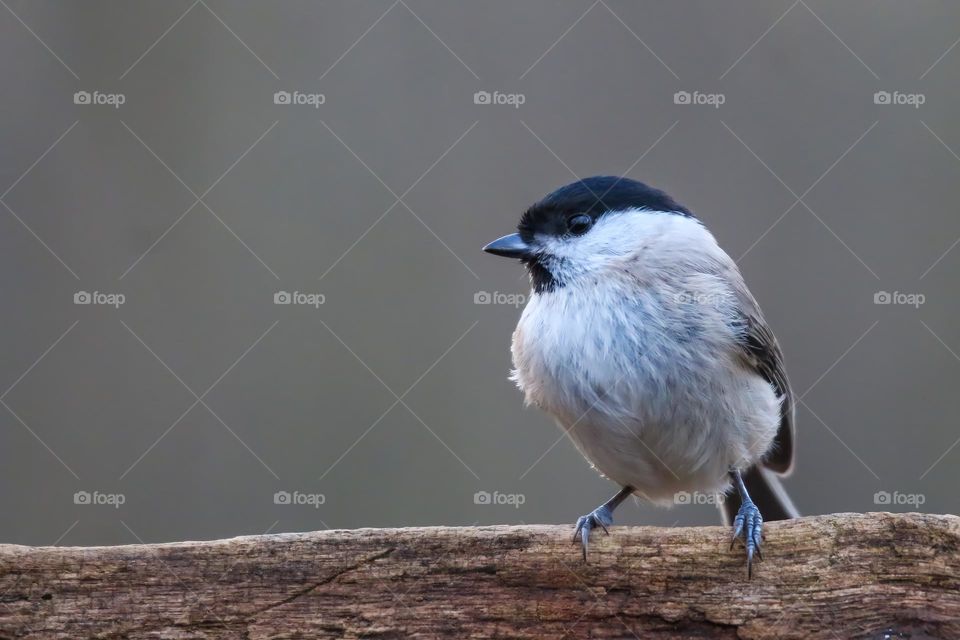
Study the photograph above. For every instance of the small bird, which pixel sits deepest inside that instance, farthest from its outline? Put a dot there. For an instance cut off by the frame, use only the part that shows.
(641, 339)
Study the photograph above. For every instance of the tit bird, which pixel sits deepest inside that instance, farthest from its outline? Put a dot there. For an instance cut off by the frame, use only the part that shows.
(642, 340)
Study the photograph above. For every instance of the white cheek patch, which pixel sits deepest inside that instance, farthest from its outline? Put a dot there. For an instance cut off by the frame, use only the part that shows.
(616, 234)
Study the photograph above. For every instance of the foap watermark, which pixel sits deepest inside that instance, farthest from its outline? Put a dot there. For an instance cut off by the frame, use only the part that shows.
(899, 298)
(709, 299)
(899, 499)
(299, 297)
(697, 97)
(299, 498)
(497, 498)
(496, 97)
(696, 497)
(99, 98)
(516, 300)
(97, 498)
(299, 98)
(899, 98)
(99, 297)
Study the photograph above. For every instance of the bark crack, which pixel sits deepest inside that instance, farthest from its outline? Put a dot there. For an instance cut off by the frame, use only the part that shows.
(310, 588)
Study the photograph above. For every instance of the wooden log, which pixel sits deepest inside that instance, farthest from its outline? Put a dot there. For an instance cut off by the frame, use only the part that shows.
(836, 576)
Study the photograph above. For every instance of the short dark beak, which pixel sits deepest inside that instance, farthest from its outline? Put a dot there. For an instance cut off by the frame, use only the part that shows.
(511, 246)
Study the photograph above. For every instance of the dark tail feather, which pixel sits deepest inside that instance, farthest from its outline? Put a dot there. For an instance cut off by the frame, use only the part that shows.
(766, 492)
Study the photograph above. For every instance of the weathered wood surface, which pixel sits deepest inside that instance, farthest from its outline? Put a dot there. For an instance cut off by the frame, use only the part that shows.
(838, 576)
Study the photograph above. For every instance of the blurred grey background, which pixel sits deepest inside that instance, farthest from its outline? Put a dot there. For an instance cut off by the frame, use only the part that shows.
(201, 196)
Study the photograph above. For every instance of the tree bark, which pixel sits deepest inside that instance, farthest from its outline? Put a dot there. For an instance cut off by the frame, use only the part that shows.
(837, 576)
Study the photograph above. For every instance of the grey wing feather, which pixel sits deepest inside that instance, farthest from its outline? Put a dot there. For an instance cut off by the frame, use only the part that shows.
(761, 352)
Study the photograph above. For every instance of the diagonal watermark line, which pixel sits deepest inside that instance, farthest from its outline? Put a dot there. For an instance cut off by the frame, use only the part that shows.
(157, 41)
(431, 563)
(767, 232)
(357, 41)
(240, 358)
(940, 340)
(940, 140)
(20, 220)
(952, 246)
(757, 41)
(567, 431)
(237, 559)
(398, 199)
(557, 41)
(942, 456)
(452, 52)
(39, 239)
(199, 199)
(358, 240)
(937, 61)
(54, 544)
(566, 166)
(239, 39)
(159, 359)
(359, 439)
(159, 440)
(360, 160)
(37, 161)
(157, 241)
(942, 256)
(837, 161)
(570, 629)
(799, 199)
(837, 361)
(437, 161)
(239, 439)
(957, 358)
(440, 240)
(399, 399)
(240, 240)
(37, 361)
(199, 399)
(166, 566)
(760, 160)
(159, 159)
(637, 161)
(241, 157)
(645, 446)
(39, 439)
(644, 154)
(65, 533)
(839, 39)
(839, 439)
(600, 197)
(639, 39)
(552, 152)
(439, 439)
(587, 588)
(840, 240)
(24, 375)
(39, 39)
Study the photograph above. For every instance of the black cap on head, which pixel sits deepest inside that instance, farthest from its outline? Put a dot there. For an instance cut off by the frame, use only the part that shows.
(593, 197)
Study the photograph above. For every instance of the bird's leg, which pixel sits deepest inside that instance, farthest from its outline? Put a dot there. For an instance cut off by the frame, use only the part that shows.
(748, 524)
(601, 517)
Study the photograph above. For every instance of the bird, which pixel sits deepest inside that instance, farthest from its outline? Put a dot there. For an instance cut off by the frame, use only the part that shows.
(641, 339)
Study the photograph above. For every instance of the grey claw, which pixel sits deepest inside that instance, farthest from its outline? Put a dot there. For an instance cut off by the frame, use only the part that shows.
(599, 517)
(749, 525)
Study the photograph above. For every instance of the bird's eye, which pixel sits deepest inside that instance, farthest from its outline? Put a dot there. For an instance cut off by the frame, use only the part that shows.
(579, 224)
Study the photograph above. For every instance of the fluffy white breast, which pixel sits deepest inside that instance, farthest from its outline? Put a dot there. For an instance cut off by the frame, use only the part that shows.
(635, 354)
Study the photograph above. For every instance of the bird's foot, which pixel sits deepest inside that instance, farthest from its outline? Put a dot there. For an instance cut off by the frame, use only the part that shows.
(600, 517)
(748, 525)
